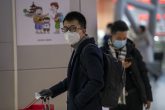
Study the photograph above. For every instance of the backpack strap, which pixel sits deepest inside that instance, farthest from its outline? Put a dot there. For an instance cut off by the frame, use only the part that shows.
(82, 52)
(87, 46)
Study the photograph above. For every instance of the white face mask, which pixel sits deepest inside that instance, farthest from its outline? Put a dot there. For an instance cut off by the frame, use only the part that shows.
(72, 37)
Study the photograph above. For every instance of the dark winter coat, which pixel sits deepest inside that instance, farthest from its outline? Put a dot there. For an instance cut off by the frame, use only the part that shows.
(84, 79)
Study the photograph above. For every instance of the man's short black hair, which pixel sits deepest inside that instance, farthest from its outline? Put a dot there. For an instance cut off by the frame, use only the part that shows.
(142, 27)
(119, 26)
(76, 16)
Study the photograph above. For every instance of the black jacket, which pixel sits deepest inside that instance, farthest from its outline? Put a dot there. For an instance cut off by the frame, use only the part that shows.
(138, 71)
(113, 79)
(84, 79)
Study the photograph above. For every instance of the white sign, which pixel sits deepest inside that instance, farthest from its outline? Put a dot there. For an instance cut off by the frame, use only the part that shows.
(39, 22)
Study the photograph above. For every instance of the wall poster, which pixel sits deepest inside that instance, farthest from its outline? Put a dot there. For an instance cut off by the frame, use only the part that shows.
(39, 22)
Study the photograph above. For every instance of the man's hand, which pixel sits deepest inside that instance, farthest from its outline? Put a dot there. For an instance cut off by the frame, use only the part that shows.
(147, 105)
(46, 93)
(126, 64)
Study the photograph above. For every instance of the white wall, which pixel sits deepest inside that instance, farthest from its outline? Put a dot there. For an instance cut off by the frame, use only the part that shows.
(38, 66)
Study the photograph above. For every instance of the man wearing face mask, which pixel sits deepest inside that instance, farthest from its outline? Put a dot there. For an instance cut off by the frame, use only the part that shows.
(137, 87)
(85, 70)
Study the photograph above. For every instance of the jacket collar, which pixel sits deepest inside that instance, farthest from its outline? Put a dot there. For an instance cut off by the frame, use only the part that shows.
(83, 44)
(130, 46)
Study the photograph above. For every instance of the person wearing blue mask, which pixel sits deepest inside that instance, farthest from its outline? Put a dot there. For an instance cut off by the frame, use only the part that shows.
(137, 90)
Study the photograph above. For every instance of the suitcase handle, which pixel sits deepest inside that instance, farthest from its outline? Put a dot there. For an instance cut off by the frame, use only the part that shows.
(46, 103)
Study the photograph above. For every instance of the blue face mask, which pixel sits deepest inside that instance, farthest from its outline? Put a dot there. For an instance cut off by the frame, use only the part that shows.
(119, 43)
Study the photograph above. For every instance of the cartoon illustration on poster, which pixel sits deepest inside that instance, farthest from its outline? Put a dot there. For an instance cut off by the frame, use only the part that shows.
(56, 16)
(40, 21)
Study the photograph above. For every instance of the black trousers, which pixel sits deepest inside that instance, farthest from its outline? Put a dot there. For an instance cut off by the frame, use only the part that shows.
(133, 102)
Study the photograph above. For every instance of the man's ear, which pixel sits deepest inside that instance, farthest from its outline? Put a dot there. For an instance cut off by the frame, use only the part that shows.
(84, 31)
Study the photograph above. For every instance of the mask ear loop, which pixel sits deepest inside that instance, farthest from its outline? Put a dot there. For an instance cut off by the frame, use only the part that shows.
(84, 30)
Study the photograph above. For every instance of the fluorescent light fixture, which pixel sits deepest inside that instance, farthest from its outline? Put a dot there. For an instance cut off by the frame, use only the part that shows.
(156, 38)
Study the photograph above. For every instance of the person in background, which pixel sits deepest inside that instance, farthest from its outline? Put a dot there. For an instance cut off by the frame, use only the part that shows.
(107, 33)
(131, 34)
(137, 87)
(144, 42)
(84, 79)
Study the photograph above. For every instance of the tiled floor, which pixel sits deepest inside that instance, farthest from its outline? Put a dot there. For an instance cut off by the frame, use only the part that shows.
(158, 94)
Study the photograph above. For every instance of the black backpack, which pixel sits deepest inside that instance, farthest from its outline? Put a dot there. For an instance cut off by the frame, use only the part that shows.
(114, 78)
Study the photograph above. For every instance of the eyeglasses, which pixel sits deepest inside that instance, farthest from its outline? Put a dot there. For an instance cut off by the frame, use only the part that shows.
(71, 29)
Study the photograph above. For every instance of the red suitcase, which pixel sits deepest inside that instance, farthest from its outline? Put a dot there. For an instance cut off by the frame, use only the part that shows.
(34, 106)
